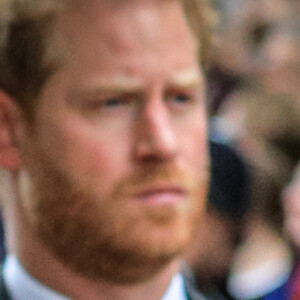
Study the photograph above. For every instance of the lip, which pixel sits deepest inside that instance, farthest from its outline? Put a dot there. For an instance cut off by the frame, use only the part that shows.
(162, 194)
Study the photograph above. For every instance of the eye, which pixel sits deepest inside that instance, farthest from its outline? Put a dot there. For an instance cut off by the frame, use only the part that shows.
(113, 102)
(180, 101)
(109, 103)
(115, 105)
(181, 98)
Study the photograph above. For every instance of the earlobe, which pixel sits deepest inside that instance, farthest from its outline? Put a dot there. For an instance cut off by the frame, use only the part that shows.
(10, 157)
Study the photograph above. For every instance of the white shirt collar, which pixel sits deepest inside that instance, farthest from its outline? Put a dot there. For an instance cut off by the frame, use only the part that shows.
(176, 290)
(21, 286)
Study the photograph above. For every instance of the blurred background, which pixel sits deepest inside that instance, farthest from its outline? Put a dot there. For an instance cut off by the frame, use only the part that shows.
(248, 245)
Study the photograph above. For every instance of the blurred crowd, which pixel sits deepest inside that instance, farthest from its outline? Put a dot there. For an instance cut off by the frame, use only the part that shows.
(248, 246)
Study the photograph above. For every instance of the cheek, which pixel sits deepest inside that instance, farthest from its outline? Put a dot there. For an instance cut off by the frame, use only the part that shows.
(87, 154)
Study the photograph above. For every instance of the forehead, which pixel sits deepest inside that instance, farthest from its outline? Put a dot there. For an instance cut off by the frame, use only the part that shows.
(128, 34)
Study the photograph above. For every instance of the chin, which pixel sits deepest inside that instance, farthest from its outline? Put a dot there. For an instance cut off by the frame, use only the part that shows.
(133, 252)
(108, 237)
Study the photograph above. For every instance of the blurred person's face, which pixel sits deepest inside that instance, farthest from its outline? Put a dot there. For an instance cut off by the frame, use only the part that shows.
(115, 164)
(248, 30)
(291, 206)
(280, 64)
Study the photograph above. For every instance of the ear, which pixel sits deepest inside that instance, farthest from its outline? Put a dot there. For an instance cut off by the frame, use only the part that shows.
(10, 156)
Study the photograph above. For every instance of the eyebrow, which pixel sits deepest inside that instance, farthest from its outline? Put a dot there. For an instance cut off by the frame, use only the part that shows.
(186, 78)
(118, 84)
(129, 84)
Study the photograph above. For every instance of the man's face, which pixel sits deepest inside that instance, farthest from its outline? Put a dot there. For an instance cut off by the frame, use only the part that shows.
(116, 160)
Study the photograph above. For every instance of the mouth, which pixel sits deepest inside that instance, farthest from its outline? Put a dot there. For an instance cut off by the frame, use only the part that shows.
(162, 195)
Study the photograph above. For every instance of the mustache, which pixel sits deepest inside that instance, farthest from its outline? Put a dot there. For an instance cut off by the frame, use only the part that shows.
(149, 176)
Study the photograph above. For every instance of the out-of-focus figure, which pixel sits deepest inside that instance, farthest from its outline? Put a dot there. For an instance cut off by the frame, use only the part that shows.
(267, 132)
(222, 229)
(258, 45)
(291, 205)
(264, 260)
(255, 107)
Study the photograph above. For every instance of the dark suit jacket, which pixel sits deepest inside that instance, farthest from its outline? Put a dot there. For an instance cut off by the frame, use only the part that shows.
(3, 291)
(192, 293)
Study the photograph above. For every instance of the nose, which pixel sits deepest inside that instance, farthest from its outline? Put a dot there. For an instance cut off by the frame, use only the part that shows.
(155, 133)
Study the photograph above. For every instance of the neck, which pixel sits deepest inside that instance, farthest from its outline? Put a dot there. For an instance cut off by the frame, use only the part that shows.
(36, 258)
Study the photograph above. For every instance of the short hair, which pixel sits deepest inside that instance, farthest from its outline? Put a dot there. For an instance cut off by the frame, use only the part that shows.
(28, 55)
(26, 29)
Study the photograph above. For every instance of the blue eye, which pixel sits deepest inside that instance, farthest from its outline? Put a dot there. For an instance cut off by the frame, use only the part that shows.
(180, 101)
(181, 98)
(113, 102)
